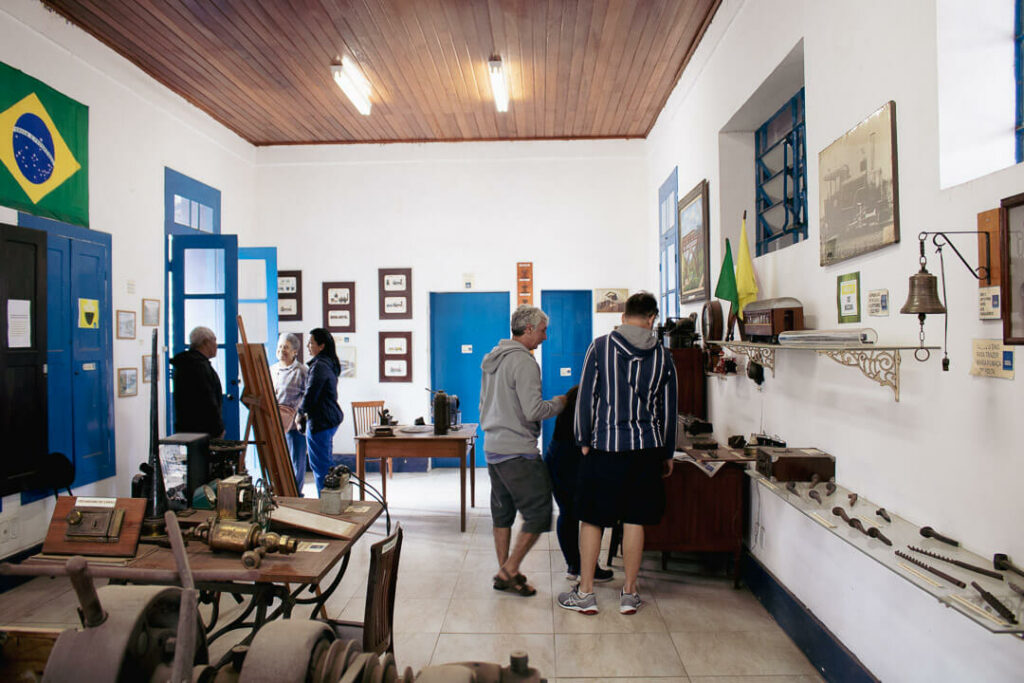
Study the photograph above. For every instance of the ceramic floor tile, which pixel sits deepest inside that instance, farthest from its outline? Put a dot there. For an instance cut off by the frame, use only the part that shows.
(636, 655)
(414, 615)
(414, 650)
(537, 560)
(740, 653)
(702, 609)
(480, 584)
(495, 615)
(646, 679)
(757, 679)
(424, 584)
(458, 647)
(608, 620)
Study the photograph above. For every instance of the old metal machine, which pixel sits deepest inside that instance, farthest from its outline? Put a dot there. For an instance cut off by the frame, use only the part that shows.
(155, 633)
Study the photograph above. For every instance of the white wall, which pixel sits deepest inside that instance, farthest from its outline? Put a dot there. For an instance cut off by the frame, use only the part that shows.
(946, 454)
(136, 128)
(340, 213)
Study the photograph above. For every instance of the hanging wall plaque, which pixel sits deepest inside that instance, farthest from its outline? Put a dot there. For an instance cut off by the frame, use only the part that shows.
(289, 295)
(395, 293)
(340, 306)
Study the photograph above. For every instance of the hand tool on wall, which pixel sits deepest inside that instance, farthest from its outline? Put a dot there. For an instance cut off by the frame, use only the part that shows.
(1004, 611)
(1002, 561)
(929, 532)
(814, 495)
(830, 487)
(959, 563)
(791, 487)
(815, 480)
(1015, 588)
(883, 514)
(853, 498)
(875, 532)
(939, 573)
(840, 512)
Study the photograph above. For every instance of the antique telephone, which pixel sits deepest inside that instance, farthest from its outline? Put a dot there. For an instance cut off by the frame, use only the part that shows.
(446, 412)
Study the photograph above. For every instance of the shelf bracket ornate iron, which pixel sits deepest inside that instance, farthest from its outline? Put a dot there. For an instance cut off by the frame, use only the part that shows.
(765, 355)
(882, 366)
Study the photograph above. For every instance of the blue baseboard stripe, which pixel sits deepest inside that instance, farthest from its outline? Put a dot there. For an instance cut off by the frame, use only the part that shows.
(829, 656)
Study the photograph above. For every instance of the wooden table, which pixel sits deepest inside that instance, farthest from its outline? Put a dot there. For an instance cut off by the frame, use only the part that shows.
(276, 572)
(459, 444)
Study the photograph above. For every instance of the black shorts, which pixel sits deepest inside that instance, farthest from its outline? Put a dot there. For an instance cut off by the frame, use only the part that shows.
(521, 484)
(623, 486)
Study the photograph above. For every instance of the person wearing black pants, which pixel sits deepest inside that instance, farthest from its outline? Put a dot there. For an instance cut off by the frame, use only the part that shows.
(563, 460)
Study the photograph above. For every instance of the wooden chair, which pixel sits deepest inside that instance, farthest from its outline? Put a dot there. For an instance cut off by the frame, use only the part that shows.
(364, 414)
(375, 632)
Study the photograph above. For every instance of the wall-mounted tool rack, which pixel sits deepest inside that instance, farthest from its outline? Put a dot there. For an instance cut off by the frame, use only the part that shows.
(903, 534)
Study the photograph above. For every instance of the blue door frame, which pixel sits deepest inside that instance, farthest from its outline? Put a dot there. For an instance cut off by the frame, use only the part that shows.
(570, 332)
(257, 306)
(203, 273)
(80, 373)
(464, 326)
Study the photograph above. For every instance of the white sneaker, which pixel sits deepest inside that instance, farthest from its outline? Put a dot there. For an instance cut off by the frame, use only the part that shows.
(629, 603)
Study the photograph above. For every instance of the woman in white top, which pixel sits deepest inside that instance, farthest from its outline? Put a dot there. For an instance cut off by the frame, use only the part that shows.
(289, 376)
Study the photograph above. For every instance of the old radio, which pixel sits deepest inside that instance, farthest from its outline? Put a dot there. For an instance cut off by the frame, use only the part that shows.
(795, 464)
(764, 320)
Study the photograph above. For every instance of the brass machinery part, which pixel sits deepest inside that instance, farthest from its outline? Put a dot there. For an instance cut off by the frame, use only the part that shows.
(96, 525)
(243, 537)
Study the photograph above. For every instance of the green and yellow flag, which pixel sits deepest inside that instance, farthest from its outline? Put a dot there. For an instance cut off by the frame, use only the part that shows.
(44, 148)
(726, 287)
(746, 284)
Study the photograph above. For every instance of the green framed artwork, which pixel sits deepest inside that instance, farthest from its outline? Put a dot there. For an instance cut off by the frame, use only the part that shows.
(848, 297)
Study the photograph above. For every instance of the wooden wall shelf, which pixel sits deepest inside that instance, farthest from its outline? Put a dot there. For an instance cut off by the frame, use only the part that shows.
(880, 364)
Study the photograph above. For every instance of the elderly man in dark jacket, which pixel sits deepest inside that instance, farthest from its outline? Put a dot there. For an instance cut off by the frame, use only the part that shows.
(197, 390)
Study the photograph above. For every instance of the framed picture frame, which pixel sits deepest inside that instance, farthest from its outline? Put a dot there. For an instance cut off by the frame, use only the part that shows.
(858, 185)
(395, 356)
(151, 312)
(1011, 265)
(339, 301)
(147, 369)
(610, 300)
(395, 293)
(125, 324)
(127, 382)
(694, 245)
(347, 358)
(848, 297)
(289, 295)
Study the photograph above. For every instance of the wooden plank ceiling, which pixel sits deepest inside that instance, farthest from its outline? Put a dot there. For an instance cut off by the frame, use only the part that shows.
(577, 68)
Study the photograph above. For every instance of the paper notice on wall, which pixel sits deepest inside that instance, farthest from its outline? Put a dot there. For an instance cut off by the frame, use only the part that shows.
(878, 303)
(988, 303)
(89, 314)
(19, 323)
(991, 359)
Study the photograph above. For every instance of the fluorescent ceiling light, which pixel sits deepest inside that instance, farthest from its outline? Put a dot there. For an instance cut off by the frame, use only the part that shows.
(353, 83)
(499, 83)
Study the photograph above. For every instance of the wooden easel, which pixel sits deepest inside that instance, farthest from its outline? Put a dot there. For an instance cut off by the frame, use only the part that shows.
(259, 397)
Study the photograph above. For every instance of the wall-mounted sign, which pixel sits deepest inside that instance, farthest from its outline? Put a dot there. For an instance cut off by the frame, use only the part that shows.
(289, 295)
(395, 293)
(339, 306)
(395, 350)
(524, 283)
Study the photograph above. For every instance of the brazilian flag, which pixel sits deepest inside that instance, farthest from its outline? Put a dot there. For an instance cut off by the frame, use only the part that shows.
(44, 147)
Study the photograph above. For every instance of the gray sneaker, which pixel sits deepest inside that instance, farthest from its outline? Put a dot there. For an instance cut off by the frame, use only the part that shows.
(586, 604)
(629, 603)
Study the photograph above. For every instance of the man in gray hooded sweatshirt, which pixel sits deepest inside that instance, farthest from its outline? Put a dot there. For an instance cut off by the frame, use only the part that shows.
(511, 409)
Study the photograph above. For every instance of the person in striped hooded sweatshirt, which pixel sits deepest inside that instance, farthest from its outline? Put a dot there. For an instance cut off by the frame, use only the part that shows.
(626, 428)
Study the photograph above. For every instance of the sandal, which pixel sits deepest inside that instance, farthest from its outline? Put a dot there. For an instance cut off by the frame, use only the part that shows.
(516, 584)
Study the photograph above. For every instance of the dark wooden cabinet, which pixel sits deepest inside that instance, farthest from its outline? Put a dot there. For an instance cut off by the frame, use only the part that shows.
(702, 514)
(692, 398)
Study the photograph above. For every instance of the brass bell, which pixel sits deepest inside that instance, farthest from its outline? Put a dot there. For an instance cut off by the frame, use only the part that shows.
(923, 297)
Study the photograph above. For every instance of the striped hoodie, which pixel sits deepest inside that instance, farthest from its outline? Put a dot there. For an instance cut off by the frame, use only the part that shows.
(627, 398)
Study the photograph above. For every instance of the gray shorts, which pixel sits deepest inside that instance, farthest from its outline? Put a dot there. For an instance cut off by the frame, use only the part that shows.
(521, 484)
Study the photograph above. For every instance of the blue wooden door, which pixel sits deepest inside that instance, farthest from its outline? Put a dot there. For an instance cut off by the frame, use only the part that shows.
(257, 305)
(92, 378)
(80, 372)
(204, 291)
(464, 326)
(570, 332)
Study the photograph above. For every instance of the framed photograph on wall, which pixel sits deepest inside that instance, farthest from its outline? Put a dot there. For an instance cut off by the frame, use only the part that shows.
(859, 190)
(609, 300)
(289, 295)
(147, 369)
(150, 312)
(127, 382)
(694, 241)
(395, 293)
(126, 324)
(339, 306)
(395, 353)
(347, 358)
(1011, 276)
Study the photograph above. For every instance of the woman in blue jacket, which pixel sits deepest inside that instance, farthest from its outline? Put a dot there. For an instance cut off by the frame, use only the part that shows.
(320, 403)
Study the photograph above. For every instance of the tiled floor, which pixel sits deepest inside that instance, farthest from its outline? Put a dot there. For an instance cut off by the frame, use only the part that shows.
(693, 627)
